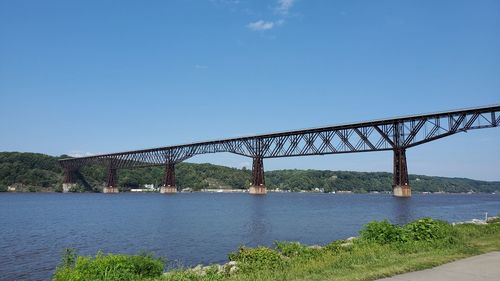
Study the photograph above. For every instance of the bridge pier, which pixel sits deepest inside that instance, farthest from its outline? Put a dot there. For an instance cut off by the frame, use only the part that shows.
(258, 182)
(69, 181)
(400, 183)
(111, 182)
(169, 181)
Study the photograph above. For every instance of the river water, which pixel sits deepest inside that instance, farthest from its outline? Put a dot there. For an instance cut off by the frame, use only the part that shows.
(194, 228)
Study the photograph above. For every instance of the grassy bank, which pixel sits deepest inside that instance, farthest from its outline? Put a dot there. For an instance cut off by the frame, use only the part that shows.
(381, 250)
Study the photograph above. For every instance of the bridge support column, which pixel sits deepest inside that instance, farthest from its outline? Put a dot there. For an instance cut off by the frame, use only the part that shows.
(69, 181)
(400, 183)
(169, 181)
(111, 185)
(258, 182)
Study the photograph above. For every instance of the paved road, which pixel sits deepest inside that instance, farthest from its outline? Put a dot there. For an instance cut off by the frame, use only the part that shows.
(478, 268)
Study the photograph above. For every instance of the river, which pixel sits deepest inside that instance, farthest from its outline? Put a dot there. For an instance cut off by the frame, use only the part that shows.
(193, 228)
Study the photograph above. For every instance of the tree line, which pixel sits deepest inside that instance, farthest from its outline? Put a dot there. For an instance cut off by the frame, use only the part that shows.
(39, 172)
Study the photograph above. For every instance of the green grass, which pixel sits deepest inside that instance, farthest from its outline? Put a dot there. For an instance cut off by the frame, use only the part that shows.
(108, 267)
(382, 250)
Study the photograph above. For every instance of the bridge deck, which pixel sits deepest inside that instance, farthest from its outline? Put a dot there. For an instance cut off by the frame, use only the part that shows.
(494, 109)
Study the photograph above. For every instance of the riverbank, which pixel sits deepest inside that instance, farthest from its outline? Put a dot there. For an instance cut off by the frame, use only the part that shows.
(381, 250)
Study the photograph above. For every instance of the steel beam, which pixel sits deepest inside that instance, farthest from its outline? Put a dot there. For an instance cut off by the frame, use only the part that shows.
(169, 179)
(112, 181)
(69, 176)
(69, 180)
(400, 182)
(374, 135)
(258, 180)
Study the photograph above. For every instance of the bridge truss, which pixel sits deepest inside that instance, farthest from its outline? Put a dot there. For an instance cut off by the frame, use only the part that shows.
(396, 134)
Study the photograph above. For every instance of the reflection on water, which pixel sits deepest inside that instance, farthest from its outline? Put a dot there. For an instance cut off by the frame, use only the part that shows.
(258, 226)
(198, 227)
(402, 210)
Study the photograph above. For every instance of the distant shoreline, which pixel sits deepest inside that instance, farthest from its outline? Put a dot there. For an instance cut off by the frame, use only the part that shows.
(226, 191)
(31, 172)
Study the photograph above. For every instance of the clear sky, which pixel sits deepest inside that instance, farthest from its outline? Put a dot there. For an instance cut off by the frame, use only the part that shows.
(86, 77)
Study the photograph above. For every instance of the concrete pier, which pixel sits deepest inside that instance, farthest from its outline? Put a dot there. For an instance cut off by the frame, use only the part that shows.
(401, 191)
(168, 189)
(257, 190)
(110, 189)
(68, 187)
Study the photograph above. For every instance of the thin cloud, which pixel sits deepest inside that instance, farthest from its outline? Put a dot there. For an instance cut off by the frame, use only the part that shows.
(261, 25)
(200, 66)
(284, 6)
(279, 22)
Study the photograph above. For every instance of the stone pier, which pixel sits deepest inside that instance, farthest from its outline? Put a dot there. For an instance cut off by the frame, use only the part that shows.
(68, 187)
(401, 191)
(110, 189)
(168, 189)
(257, 190)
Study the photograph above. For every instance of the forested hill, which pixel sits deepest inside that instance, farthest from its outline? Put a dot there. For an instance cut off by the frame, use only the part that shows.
(39, 172)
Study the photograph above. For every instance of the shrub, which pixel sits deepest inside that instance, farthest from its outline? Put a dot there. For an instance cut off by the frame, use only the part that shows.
(108, 267)
(58, 188)
(336, 246)
(295, 249)
(427, 229)
(382, 232)
(250, 259)
(3, 188)
(211, 274)
(77, 188)
(424, 229)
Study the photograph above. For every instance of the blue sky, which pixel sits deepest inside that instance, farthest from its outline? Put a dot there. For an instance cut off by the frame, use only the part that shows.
(84, 77)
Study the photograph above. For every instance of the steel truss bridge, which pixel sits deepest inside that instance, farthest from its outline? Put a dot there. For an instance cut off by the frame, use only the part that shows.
(396, 134)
